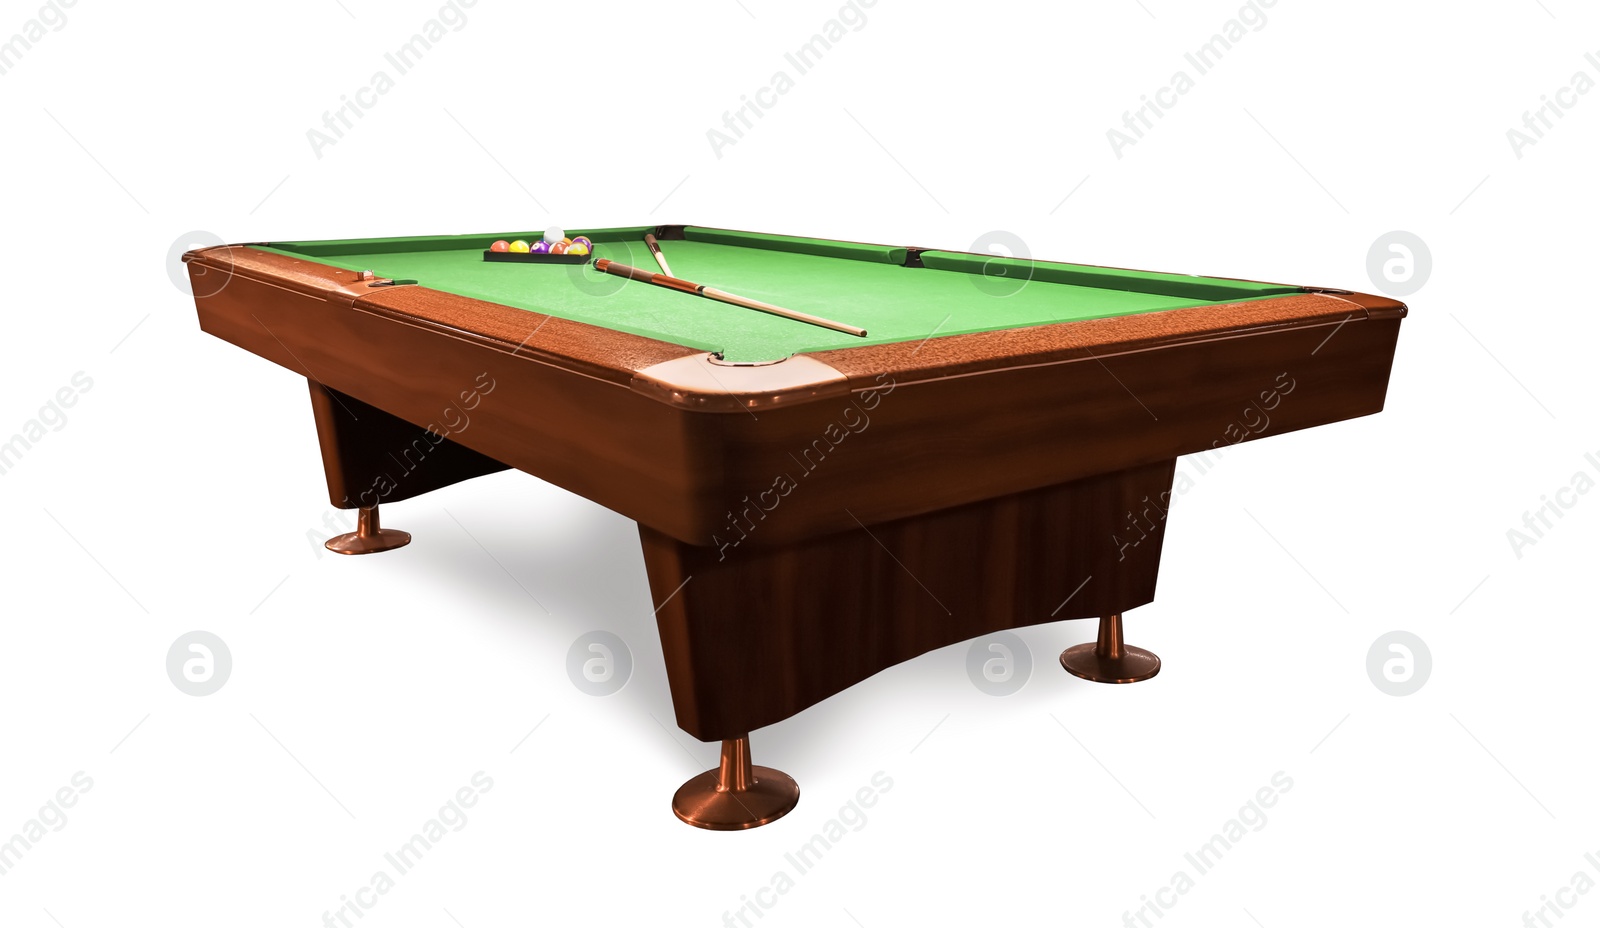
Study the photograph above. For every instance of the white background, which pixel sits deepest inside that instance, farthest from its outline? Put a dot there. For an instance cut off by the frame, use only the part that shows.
(180, 491)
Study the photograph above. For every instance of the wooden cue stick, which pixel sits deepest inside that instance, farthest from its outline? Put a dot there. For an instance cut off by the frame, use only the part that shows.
(655, 251)
(607, 266)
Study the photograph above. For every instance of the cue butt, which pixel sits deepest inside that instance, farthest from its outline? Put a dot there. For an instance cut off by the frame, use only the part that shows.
(608, 266)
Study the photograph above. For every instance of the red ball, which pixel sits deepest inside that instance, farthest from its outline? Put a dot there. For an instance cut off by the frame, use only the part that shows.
(501, 245)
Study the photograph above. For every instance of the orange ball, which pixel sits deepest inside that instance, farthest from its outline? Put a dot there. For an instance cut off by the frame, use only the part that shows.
(558, 248)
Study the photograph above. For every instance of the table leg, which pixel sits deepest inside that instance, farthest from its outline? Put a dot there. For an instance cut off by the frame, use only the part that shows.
(736, 795)
(1108, 659)
(754, 634)
(372, 457)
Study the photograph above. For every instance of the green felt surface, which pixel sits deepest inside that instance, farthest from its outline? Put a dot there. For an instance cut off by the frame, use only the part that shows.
(863, 285)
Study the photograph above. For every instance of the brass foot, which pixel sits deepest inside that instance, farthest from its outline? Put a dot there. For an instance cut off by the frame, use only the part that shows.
(1108, 659)
(369, 537)
(736, 795)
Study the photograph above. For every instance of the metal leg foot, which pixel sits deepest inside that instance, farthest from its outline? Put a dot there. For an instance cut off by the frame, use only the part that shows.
(736, 795)
(1108, 659)
(369, 537)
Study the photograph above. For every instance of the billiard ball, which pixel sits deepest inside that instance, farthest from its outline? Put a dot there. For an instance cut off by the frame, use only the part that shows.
(558, 248)
(501, 245)
(518, 246)
(540, 248)
(554, 234)
(577, 248)
(585, 240)
(566, 241)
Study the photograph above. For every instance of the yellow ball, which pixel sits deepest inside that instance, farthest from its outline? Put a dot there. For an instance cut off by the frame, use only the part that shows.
(519, 246)
(577, 248)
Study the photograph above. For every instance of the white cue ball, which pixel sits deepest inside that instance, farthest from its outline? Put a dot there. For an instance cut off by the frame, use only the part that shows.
(554, 234)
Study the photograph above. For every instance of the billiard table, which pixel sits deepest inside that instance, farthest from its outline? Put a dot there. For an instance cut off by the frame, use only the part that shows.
(814, 506)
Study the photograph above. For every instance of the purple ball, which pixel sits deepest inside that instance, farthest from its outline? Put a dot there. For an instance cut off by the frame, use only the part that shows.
(539, 248)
